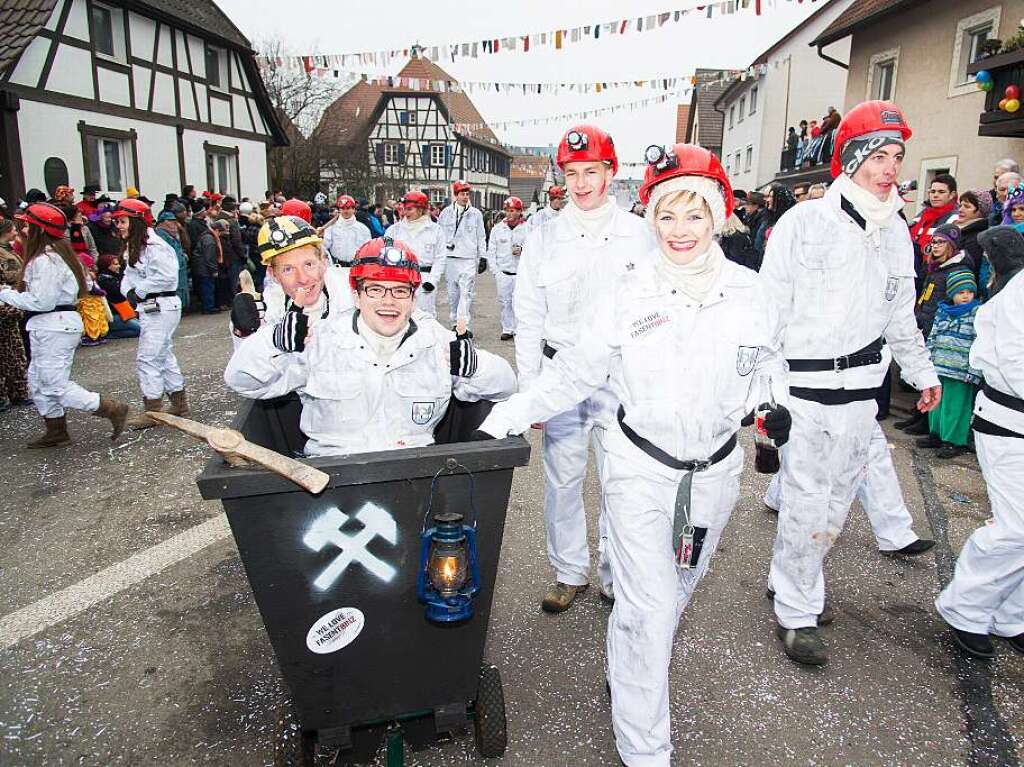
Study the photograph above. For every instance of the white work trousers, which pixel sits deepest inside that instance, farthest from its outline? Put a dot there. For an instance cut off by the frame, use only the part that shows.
(158, 368)
(821, 471)
(460, 275)
(427, 302)
(566, 442)
(986, 594)
(651, 592)
(506, 294)
(878, 492)
(49, 374)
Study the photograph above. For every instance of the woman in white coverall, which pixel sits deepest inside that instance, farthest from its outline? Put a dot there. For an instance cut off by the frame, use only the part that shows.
(684, 339)
(150, 283)
(426, 239)
(986, 595)
(50, 284)
(503, 251)
(370, 378)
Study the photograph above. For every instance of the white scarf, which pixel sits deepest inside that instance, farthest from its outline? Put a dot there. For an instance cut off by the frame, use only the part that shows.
(414, 227)
(693, 280)
(347, 221)
(593, 222)
(384, 347)
(877, 213)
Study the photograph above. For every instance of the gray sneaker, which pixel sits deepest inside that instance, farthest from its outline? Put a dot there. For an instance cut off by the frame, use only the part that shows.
(803, 645)
(825, 617)
(560, 597)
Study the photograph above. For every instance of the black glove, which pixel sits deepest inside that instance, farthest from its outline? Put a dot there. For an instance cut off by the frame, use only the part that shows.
(777, 423)
(480, 436)
(463, 356)
(481, 266)
(748, 419)
(132, 298)
(246, 314)
(428, 287)
(290, 333)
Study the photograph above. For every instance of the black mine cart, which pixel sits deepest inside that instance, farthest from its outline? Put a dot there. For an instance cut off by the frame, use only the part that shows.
(340, 581)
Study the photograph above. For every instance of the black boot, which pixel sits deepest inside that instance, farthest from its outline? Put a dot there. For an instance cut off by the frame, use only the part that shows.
(913, 419)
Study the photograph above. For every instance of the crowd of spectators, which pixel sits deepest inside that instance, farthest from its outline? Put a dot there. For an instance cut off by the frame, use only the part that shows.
(812, 144)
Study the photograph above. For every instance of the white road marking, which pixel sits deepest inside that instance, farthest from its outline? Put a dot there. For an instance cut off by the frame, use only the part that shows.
(79, 597)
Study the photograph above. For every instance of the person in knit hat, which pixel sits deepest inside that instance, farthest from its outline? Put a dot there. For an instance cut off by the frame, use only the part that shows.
(944, 255)
(653, 335)
(985, 598)
(972, 218)
(840, 274)
(949, 343)
(1013, 208)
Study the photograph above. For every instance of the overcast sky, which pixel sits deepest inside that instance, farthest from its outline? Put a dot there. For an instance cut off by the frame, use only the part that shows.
(674, 50)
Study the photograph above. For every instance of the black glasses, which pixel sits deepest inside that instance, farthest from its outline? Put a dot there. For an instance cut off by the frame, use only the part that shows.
(399, 292)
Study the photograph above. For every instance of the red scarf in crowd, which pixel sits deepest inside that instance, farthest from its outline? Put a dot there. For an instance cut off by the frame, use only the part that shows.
(921, 229)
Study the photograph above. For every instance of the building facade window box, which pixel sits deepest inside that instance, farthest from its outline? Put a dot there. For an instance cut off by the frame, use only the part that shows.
(1006, 69)
(110, 158)
(972, 33)
(107, 31)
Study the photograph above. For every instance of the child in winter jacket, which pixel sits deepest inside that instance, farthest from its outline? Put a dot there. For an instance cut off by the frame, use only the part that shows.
(945, 257)
(1013, 208)
(950, 342)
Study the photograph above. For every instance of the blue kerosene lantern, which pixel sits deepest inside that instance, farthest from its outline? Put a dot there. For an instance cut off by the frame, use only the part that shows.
(449, 578)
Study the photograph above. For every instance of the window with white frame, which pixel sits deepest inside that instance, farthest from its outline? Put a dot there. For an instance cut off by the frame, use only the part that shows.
(750, 158)
(971, 34)
(739, 162)
(109, 158)
(221, 169)
(108, 32)
(732, 115)
(437, 155)
(437, 196)
(753, 99)
(407, 117)
(883, 68)
(217, 68)
(390, 153)
(743, 107)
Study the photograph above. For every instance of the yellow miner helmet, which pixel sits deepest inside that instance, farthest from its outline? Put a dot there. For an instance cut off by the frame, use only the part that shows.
(283, 233)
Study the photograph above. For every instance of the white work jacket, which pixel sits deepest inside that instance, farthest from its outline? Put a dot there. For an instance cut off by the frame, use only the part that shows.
(343, 238)
(684, 372)
(351, 401)
(557, 256)
(155, 272)
(499, 249)
(998, 352)
(465, 230)
(540, 217)
(428, 245)
(836, 291)
(49, 282)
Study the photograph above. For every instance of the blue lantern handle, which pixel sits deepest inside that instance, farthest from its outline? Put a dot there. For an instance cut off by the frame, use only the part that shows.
(451, 467)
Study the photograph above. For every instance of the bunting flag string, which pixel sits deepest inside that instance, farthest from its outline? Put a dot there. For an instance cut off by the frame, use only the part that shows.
(558, 39)
(568, 116)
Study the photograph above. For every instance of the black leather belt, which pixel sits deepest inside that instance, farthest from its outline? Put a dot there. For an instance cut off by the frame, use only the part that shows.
(833, 396)
(1001, 398)
(549, 351)
(982, 426)
(869, 355)
(57, 308)
(662, 457)
(426, 269)
(510, 274)
(164, 294)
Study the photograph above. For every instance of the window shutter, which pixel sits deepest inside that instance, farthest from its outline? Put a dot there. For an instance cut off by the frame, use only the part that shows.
(401, 154)
(425, 155)
(403, 118)
(448, 156)
(378, 150)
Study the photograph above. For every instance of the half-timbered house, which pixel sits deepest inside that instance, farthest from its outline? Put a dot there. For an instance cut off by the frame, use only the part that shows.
(153, 94)
(381, 140)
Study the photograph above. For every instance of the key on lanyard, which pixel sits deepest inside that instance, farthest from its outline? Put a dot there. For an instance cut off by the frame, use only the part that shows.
(682, 530)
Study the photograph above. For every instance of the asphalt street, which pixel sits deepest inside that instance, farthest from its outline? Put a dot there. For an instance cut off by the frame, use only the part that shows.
(117, 650)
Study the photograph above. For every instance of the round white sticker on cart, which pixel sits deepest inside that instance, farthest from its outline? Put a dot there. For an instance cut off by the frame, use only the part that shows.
(336, 630)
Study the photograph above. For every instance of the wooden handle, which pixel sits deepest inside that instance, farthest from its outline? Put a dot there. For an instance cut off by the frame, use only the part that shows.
(238, 451)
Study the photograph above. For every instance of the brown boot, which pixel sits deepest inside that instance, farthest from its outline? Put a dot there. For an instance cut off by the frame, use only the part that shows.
(115, 412)
(140, 420)
(179, 403)
(560, 597)
(56, 434)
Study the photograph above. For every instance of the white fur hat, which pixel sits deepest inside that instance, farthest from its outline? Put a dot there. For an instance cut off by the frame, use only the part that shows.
(706, 188)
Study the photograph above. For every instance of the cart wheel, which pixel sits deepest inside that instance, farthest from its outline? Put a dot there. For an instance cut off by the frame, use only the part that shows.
(489, 724)
(292, 746)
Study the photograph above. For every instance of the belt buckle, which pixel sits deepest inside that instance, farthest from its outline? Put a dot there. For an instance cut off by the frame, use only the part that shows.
(702, 465)
(841, 363)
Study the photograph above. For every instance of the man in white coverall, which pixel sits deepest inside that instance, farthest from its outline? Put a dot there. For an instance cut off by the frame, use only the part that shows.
(465, 243)
(503, 251)
(841, 272)
(592, 233)
(371, 378)
(426, 239)
(986, 595)
(684, 341)
(556, 201)
(879, 493)
(343, 238)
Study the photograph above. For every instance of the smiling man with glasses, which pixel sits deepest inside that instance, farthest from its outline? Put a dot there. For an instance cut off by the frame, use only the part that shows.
(378, 376)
